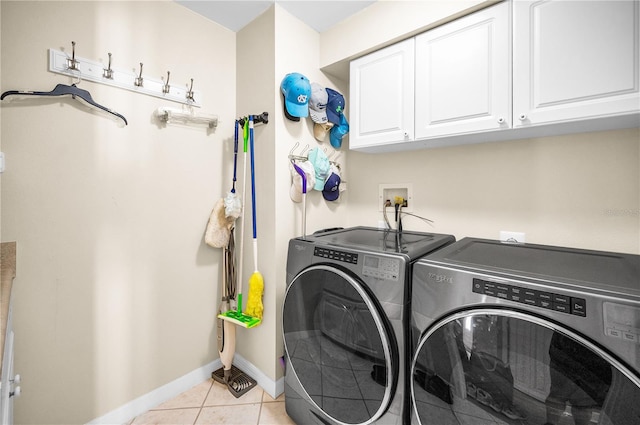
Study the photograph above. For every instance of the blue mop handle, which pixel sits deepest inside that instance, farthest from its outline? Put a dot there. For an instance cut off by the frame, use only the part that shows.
(253, 177)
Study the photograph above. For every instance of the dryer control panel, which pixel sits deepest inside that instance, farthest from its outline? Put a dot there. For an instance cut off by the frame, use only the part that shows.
(622, 321)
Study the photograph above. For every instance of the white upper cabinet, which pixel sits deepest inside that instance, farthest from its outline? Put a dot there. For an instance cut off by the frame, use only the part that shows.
(574, 60)
(514, 70)
(381, 96)
(463, 75)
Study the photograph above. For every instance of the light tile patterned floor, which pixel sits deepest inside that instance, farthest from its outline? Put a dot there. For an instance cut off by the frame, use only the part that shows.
(212, 403)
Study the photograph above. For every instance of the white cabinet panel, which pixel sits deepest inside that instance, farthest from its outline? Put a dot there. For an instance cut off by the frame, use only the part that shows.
(575, 60)
(463, 75)
(381, 96)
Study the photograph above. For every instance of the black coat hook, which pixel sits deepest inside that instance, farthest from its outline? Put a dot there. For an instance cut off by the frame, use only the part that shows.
(257, 119)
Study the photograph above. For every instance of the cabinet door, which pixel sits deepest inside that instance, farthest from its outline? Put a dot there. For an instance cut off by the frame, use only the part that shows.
(574, 60)
(381, 96)
(463, 75)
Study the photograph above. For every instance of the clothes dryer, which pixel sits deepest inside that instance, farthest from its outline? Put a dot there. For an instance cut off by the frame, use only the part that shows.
(345, 324)
(525, 334)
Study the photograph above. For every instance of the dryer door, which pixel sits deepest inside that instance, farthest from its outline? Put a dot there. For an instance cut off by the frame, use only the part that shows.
(340, 345)
(507, 367)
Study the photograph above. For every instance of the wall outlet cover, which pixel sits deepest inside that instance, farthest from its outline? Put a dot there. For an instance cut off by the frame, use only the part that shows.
(513, 237)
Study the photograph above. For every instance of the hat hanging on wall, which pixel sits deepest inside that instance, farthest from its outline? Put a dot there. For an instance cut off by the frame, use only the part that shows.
(320, 130)
(335, 105)
(331, 190)
(338, 132)
(296, 91)
(318, 104)
(321, 165)
(295, 192)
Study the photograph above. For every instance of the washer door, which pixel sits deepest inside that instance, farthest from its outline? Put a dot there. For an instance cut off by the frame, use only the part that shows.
(506, 367)
(340, 345)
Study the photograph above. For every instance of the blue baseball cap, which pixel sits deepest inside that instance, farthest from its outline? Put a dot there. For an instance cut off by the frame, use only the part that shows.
(331, 190)
(296, 90)
(338, 132)
(335, 105)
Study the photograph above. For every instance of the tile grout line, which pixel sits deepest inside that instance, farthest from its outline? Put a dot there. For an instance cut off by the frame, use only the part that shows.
(260, 410)
(204, 400)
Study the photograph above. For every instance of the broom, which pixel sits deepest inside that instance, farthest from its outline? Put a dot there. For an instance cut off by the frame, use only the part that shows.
(256, 282)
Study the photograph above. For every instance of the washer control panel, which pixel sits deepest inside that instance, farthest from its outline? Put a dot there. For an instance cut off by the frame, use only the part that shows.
(334, 254)
(381, 267)
(372, 265)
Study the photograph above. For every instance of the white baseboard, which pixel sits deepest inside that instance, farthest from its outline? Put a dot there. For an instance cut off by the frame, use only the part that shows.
(125, 413)
(273, 388)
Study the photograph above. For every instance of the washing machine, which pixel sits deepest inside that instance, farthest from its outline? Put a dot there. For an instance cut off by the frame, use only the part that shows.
(345, 324)
(525, 334)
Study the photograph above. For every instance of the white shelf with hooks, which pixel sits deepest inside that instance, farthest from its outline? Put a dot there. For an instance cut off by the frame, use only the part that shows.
(59, 63)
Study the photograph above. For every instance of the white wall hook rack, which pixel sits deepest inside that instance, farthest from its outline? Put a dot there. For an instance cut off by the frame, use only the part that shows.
(97, 72)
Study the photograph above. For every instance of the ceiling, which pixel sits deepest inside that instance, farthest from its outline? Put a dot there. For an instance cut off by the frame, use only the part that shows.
(317, 14)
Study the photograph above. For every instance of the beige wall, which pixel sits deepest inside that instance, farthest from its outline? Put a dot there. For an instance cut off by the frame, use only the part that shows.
(116, 292)
(270, 47)
(580, 190)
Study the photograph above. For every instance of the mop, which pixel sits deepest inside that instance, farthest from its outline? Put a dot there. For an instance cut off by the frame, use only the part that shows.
(237, 381)
(235, 315)
(227, 331)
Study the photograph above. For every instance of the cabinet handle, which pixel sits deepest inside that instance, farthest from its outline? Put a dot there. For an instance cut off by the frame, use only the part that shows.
(16, 392)
(406, 134)
(501, 120)
(522, 117)
(16, 379)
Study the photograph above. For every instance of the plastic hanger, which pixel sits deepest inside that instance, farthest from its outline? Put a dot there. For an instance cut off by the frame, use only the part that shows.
(63, 90)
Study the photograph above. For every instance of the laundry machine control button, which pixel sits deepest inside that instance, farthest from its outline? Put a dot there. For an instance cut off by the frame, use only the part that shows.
(334, 254)
(532, 297)
(381, 267)
(578, 306)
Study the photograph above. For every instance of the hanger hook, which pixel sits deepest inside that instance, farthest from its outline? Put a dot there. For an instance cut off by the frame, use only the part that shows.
(139, 80)
(108, 72)
(72, 63)
(294, 148)
(190, 92)
(166, 88)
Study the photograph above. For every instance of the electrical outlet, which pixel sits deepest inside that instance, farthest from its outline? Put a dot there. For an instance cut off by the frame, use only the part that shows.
(514, 237)
(390, 191)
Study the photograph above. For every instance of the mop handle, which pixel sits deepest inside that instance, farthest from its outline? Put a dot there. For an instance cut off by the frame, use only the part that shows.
(253, 177)
(235, 155)
(244, 219)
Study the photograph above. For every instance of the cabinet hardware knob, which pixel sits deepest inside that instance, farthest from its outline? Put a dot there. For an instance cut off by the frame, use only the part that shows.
(16, 379)
(406, 134)
(16, 392)
(500, 120)
(522, 117)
